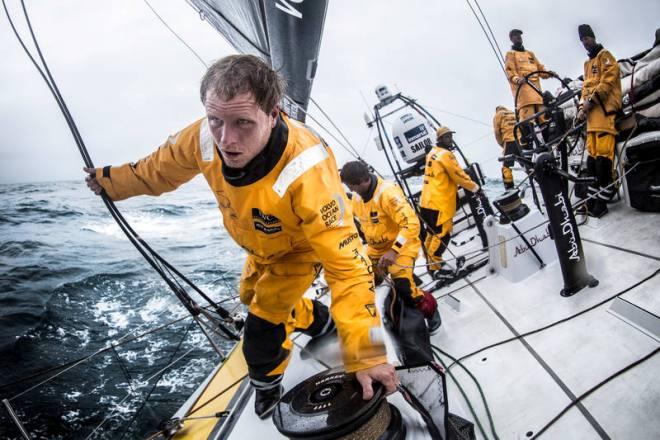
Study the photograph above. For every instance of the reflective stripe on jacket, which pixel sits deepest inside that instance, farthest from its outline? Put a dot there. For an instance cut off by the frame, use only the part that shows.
(297, 212)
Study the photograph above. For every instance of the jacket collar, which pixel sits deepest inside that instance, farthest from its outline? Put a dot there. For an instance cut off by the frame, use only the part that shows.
(372, 188)
(264, 162)
(594, 52)
(518, 47)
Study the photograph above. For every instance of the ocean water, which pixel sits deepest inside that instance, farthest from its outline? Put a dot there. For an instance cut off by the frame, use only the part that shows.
(71, 283)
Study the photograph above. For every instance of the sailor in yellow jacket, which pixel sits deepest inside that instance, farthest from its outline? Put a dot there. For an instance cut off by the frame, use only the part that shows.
(599, 103)
(281, 199)
(503, 124)
(518, 63)
(442, 177)
(391, 230)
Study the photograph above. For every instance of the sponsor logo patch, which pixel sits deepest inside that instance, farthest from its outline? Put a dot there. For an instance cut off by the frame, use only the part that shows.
(332, 213)
(267, 229)
(266, 223)
(267, 219)
(346, 241)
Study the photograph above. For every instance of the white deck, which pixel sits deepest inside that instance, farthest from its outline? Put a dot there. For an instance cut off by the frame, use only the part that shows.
(527, 384)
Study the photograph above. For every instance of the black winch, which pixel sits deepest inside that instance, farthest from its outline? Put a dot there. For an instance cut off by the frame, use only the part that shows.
(329, 405)
(511, 205)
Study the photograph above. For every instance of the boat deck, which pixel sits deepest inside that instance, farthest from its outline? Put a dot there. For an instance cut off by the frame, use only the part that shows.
(530, 380)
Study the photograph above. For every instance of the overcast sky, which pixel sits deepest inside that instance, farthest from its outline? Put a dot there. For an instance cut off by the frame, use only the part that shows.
(129, 83)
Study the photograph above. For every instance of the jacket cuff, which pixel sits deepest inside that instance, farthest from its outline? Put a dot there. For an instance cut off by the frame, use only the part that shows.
(103, 178)
(399, 242)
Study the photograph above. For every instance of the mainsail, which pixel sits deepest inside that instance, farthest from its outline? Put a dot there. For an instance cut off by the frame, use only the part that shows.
(286, 33)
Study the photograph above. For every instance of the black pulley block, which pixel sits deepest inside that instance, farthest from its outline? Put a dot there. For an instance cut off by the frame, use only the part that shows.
(329, 405)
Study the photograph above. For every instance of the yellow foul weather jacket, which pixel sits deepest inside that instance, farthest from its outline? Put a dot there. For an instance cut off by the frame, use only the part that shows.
(602, 85)
(503, 124)
(517, 65)
(388, 221)
(296, 213)
(442, 176)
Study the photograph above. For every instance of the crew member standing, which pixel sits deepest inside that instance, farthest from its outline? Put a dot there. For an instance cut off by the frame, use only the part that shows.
(503, 124)
(599, 103)
(391, 229)
(281, 198)
(442, 177)
(518, 63)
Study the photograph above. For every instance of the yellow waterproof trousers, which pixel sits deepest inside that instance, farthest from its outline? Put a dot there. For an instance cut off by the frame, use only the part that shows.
(274, 293)
(435, 244)
(401, 273)
(600, 143)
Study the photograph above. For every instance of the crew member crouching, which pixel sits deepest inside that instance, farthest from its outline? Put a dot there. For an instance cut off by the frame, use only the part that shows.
(391, 230)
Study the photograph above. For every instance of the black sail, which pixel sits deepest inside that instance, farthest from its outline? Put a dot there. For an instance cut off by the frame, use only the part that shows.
(285, 33)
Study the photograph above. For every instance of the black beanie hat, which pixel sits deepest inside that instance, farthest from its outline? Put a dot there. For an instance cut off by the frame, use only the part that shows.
(513, 32)
(584, 30)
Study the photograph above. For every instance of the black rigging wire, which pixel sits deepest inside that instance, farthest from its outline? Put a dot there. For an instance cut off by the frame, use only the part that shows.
(175, 34)
(355, 152)
(499, 50)
(462, 391)
(497, 54)
(531, 332)
(592, 389)
(154, 259)
(145, 401)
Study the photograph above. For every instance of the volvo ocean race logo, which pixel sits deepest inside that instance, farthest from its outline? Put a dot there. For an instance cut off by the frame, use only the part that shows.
(567, 228)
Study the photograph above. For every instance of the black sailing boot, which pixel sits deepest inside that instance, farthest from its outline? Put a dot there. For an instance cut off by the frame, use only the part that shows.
(265, 401)
(598, 209)
(593, 187)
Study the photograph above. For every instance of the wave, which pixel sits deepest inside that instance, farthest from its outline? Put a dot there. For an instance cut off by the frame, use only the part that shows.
(49, 214)
(7, 220)
(168, 210)
(18, 248)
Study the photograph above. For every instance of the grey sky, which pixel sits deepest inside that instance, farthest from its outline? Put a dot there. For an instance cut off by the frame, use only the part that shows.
(129, 83)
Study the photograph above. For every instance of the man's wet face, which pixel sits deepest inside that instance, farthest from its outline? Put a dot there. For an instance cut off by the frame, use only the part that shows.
(240, 128)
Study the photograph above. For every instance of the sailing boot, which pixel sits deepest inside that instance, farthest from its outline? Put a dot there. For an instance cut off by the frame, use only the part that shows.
(603, 168)
(604, 173)
(323, 331)
(265, 400)
(507, 177)
(598, 209)
(593, 187)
